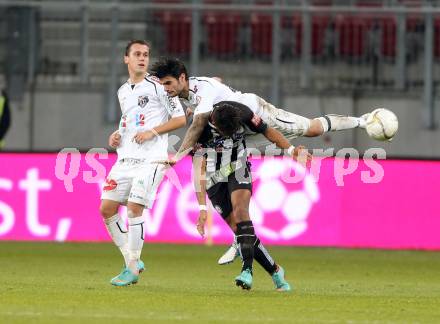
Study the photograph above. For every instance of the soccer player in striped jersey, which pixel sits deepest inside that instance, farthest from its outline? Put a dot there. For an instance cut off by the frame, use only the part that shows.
(148, 114)
(222, 158)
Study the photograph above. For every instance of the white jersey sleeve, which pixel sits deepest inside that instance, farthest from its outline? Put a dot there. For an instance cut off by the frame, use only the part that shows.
(205, 92)
(205, 98)
(120, 97)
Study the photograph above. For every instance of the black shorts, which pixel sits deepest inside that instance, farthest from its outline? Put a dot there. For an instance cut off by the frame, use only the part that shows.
(220, 193)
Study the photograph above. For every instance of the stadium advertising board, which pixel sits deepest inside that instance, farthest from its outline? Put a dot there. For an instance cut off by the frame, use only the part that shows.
(351, 203)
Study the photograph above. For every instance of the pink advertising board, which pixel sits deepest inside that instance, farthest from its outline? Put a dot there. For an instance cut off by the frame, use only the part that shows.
(351, 203)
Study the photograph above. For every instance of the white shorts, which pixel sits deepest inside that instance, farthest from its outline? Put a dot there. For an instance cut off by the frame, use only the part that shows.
(287, 123)
(133, 180)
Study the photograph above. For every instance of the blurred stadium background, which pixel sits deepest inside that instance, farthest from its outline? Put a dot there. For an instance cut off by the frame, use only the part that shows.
(61, 64)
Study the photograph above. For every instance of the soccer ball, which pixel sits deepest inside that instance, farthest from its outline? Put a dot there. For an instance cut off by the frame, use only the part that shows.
(382, 124)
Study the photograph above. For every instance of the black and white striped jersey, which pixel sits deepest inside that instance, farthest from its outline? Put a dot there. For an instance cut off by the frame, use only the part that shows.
(220, 150)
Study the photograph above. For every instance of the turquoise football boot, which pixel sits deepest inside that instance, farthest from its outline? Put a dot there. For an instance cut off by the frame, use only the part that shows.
(125, 278)
(278, 279)
(244, 280)
(140, 266)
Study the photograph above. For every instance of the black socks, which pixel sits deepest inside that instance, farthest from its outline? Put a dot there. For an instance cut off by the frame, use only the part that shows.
(246, 239)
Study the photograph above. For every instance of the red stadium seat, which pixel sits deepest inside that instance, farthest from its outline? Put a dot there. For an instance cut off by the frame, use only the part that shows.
(388, 36)
(320, 24)
(261, 26)
(388, 27)
(177, 30)
(261, 34)
(222, 30)
(178, 33)
(352, 32)
(370, 3)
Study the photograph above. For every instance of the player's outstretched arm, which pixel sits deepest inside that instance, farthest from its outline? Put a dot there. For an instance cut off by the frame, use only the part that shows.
(277, 138)
(192, 135)
(199, 170)
(172, 124)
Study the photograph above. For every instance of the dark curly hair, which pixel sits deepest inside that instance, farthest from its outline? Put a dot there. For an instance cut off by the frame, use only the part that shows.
(167, 66)
(226, 117)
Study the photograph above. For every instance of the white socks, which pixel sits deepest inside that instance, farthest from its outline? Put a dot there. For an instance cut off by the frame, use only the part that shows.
(118, 232)
(338, 122)
(129, 242)
(135, 236)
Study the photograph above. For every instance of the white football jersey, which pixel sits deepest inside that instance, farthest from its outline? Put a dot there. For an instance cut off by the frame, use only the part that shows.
(145, 105)
(206, 92)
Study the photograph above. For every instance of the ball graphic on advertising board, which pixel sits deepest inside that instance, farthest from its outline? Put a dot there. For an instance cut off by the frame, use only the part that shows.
(282, 187)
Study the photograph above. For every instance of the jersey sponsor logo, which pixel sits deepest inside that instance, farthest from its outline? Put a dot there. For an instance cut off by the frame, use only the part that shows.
(110, 185)
(135, 196)
(140, 120)
(218, 209)
(256, 120)
(123, 122)
(142, 101)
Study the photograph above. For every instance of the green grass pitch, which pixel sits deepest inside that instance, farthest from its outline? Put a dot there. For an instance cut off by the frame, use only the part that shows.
(69, 283)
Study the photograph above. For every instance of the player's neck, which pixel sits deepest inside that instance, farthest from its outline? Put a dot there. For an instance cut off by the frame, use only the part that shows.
(185, 92)
(136, 77)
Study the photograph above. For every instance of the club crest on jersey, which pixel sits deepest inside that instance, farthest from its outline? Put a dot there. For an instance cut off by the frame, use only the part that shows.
(142, 101)
(171, 102)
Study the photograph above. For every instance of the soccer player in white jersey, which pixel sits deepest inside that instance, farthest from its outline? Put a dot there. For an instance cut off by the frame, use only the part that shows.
(148, 114)
(200, 94)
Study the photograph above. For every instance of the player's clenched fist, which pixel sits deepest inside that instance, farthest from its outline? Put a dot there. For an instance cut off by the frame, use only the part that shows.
(114, 140)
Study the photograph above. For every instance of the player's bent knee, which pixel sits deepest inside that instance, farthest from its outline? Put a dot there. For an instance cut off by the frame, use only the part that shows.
(133, 213)
(134, 210)
(108, 209)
